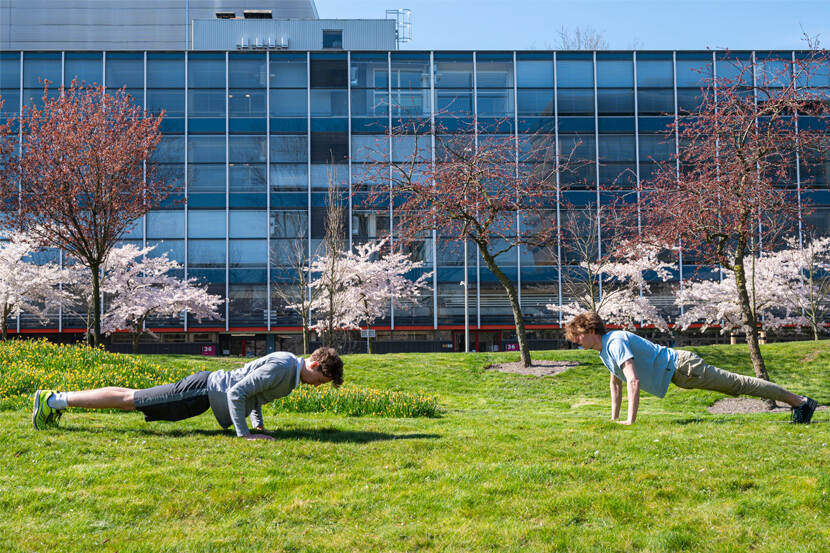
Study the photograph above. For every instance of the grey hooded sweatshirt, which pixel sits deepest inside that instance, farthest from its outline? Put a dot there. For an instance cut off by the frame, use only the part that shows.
(235, 394)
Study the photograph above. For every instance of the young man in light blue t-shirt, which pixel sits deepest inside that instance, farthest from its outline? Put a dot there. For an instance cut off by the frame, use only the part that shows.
(642, 364)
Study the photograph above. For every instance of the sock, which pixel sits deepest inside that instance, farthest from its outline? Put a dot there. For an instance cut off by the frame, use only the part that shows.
(57, 400)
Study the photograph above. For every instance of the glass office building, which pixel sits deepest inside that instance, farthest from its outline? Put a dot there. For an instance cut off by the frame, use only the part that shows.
(253, 139)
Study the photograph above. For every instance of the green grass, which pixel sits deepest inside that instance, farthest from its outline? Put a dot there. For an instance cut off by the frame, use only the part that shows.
(513, 463)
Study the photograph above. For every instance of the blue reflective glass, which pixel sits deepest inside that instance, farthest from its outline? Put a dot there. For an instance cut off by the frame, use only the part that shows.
(615, 101)
(410, 70)
(454, 102)
(206, 223)
(170, 149)
(206, 103)
(615, 73)
(288, 71)
(370, 103)
(135, 230)
(247, 149)
(125, 69)
(689, 99)
(369, 71)
(165, 70)
(288, 224)
(289, 176)
(693, 72)
(38, 66)
(169, 100)
(289, 103)
(85, 67)
(657, 147)
(409, 104)
(655, 101)
(246, 71)
(534, 73)
(206, 149)
(657, 73)
(575, 101)
(246, 103)
(575, 73)
(206, 178)
(535, 102)
(9, 70)
(174, 249)
(248, 224)
(165, 224)
(11, 100)
(247, 177)
(453, 71)
(495, 102)
(614, 148)
(369, 148)
(206, 71)
(329, 103)
(289, 148)
(247, 253)
(206, 253)
(494, 73)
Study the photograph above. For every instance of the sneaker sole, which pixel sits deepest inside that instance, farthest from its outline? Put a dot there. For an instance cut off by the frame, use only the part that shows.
(36, 410)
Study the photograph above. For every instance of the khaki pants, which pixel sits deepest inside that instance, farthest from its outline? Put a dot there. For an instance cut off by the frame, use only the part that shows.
(694, 372)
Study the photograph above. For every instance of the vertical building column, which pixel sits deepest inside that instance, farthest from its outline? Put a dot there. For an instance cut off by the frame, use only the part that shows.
(518, 214)
(637, 151)
(677, 165)
(268, 305)
(144, 173)
(308, 162)
(475, 145)
(596, 166)
(434, 234)
(186, 170)
(797, 167)
(389, 161)
(227, 204)
(349, 138)
(558, 189)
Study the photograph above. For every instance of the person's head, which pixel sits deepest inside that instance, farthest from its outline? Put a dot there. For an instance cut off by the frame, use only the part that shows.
(328, 364)
(586, 330)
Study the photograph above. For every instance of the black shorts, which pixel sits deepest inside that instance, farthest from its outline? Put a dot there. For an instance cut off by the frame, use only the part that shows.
(173, 402)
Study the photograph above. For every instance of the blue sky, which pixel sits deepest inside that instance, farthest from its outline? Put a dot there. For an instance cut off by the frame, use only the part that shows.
(641, 24)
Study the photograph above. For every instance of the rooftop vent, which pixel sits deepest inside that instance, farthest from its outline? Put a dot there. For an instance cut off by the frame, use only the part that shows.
(225, 15)
(257, 14)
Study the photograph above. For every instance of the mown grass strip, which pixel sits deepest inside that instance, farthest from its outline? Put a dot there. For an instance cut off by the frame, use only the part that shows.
(358, 402)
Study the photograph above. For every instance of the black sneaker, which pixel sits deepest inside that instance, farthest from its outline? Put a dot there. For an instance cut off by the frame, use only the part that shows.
(803, 414)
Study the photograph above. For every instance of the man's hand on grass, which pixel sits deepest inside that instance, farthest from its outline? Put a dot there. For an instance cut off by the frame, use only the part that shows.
(260, 428)
(626, 423)
(259, 437)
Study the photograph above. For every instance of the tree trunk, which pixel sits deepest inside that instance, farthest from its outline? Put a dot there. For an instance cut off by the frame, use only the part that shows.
(513, 296)
(748, 318)
(305, 339)
(96, 305)
(136, 338)
(4, 329)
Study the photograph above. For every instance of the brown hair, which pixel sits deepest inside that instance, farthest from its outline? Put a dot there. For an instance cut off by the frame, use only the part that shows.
(587, 322)
(330, 364)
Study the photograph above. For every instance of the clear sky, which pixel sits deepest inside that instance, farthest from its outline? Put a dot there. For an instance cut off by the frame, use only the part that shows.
(640, 24)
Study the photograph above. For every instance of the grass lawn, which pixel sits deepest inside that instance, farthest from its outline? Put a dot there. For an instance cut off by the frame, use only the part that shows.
(514, 463)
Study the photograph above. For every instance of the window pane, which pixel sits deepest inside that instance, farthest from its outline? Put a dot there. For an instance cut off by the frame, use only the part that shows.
(206, 149)
(250, 149)
(38, 66)
(329, 103)
(494, 73)
(246, 71)
(576, 101)
(206, 103)
(172, 101)
(289, 148)
(534, 73)
(170, 149)
(206, 253)
(655, 101)
(246, 103)
(165, 224)
(654, 73)
(125, 70)
(453, 73)
(410, 70)
(288, 71)
(615, 73)
(326, 73)
(10, 70)
(289, 176)
(370, 103)
(575, 73)
(615, 100)
(288, 224)
(86, 67)
(206, 178)
(165, 70)
(369, 71)
(206, 71)
(248, 224)
(494, 102)
(693, 72)
(247, 177)
(289, 103)
(206, 224)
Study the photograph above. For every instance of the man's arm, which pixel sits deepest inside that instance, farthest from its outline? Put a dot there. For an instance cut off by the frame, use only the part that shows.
(616, 397)
(256, 418)
(257, 381)
(633, 391)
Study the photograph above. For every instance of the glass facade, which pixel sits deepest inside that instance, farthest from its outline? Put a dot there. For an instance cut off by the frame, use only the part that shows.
(253, 140)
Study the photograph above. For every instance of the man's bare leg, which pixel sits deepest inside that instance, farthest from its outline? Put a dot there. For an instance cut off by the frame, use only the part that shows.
(111, 397)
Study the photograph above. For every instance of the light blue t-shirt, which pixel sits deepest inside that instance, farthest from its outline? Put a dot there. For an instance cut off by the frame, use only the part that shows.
(654, 364)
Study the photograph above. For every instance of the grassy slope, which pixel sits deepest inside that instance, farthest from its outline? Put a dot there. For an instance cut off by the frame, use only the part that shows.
(515, 464)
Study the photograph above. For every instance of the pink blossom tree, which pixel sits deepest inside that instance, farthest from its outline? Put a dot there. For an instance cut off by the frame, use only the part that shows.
(25, 286)
(83, 175)
(377, 279)
(138, 287)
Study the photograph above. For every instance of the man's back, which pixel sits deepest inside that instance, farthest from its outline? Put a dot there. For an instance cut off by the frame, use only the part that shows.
(654, 364)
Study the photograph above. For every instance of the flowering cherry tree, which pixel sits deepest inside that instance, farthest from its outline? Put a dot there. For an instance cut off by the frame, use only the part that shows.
(807, 271)
(25, 286)
(376, 280)
(623, 299)
(721, 196)
(139, 287)
(84, 175)
(715, 302)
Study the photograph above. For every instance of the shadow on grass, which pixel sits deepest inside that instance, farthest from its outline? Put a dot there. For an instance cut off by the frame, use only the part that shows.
(318, 435)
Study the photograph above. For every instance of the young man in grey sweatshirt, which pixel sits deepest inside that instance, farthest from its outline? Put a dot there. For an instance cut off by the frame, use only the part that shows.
(231, 395)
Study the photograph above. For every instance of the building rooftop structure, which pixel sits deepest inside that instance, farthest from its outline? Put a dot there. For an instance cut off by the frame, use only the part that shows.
(107, 25)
